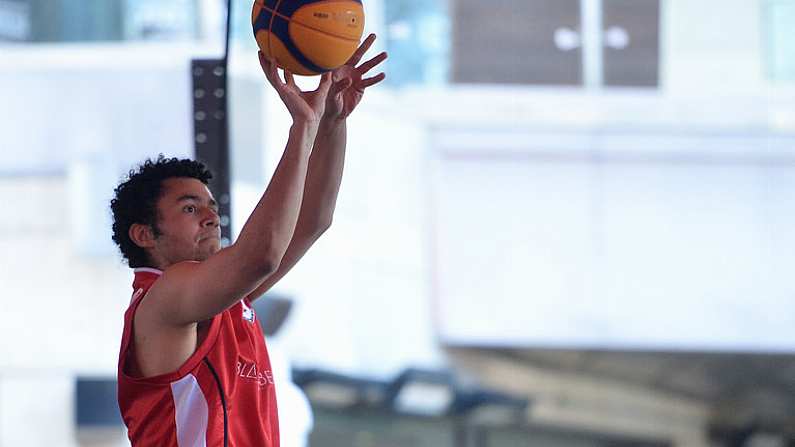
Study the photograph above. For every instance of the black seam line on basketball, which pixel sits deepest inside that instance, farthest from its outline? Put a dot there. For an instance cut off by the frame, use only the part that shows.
(319, 2)
(281, 27)
(274, 13)
(262, 22)
(263, 3)
(223, 399)
(290, 19)
(270, 26)
(290, 7)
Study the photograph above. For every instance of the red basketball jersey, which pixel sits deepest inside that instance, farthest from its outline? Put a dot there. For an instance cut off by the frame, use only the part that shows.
(223, 395)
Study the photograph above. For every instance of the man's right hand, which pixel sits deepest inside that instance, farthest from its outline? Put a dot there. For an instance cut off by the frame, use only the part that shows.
(303, 106)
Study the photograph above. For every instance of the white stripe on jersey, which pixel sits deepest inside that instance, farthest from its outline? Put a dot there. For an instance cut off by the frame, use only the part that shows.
(191, 410)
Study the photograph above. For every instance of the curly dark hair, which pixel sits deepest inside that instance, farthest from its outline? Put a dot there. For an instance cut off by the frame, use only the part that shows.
(135, 200)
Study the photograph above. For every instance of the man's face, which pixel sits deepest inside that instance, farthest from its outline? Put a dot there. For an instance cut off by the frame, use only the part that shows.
(188, 222)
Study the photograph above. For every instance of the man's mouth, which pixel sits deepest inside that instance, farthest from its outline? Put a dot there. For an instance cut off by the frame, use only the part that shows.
(209, 236)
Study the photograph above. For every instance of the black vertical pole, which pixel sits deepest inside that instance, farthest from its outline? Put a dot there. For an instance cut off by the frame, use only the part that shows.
(211, 132)
(211, 125)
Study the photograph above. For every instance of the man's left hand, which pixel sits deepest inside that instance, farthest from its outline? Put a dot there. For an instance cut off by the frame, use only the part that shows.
(349, 83)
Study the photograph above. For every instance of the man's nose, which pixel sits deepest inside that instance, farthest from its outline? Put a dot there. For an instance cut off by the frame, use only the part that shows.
(212, 218)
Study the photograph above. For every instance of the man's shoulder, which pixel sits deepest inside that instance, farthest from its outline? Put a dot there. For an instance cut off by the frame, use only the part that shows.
(169, 277)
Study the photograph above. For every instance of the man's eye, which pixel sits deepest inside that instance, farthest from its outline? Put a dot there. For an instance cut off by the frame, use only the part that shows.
(189, 209)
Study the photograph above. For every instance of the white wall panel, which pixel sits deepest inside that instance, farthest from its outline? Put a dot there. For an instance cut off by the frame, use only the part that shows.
(620, 244)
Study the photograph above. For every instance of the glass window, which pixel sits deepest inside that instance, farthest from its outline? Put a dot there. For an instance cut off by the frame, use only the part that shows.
(528, 42)
(61, 20)
(418, 41)
(105, 20)
(159, 20)
(14, 20)
(780, 27)
(630, 42)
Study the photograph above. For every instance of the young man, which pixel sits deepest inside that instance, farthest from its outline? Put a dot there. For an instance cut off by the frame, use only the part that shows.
(193, 366)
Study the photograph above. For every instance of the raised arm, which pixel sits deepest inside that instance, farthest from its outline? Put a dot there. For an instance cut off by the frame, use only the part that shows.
(190, 292)
(328, 159)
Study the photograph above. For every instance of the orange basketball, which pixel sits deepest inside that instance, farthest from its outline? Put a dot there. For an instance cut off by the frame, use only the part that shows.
(308, 37)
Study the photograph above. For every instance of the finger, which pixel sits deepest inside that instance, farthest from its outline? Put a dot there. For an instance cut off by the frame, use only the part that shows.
(367, 66)
(263, 63)
(341, 85)
(357, 55)
(273, 70)
(269, 68)
(325, 82)
(288, 76)
(263, 57)
(372, 81)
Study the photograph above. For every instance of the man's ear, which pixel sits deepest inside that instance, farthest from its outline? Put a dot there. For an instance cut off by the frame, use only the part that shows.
(142, 235)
